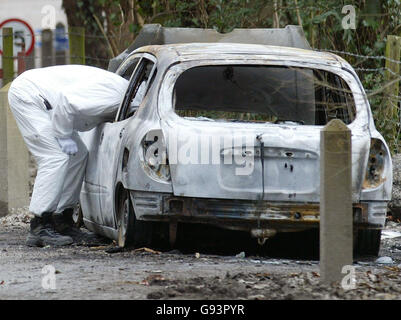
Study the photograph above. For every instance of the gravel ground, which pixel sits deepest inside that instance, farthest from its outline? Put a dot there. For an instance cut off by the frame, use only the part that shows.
(184, 273)
(229, 266)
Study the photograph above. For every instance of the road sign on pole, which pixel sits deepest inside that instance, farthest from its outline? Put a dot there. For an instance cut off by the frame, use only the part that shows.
(24, 36)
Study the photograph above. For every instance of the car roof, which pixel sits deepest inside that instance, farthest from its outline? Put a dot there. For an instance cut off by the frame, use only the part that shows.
(192, 51)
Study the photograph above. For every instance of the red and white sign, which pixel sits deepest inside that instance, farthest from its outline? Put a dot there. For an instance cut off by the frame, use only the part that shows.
(23, 35)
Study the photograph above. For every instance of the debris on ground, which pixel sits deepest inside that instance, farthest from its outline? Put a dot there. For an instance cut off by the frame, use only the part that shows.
(17, 218)
(384, 260)
(176, 274)
(240, 255)
(97, 248)
(147, 250)
(387, 234)
(114, 249)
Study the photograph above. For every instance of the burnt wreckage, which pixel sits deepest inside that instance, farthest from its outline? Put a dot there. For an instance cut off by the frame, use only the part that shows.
(224, 129)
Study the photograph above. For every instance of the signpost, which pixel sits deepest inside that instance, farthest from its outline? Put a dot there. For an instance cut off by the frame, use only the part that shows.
(21, 44)
(24, 37)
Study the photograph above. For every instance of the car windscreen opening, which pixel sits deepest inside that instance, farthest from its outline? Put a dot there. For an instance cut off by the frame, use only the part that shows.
(259, 93)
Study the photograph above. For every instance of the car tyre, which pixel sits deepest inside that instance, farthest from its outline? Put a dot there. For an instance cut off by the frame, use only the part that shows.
(131, 232)
(368, 242)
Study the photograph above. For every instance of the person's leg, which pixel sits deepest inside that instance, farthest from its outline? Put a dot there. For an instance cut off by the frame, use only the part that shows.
(35, 126)
(74, 177)
(62, 217)
(52, 166)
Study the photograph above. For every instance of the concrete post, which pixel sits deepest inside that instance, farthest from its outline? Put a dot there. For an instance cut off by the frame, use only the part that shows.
(21, 62)
(61, 44)
(336, 230)
(30, 61)
(47, 48)
(14, 159)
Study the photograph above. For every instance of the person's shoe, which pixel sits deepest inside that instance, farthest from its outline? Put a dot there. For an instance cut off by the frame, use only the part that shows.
(42, 233)
(64, 224)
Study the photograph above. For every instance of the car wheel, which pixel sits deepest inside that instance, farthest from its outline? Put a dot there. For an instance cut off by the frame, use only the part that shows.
(131, 232)
(368, 242)
(77, 216)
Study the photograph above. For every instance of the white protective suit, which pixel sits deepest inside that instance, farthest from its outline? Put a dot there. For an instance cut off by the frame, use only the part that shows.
(54, 103)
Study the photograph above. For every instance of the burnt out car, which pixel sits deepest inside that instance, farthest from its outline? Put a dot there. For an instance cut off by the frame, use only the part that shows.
(228, 134)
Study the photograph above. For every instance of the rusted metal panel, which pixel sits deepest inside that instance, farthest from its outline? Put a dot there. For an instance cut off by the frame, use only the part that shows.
(239, 214)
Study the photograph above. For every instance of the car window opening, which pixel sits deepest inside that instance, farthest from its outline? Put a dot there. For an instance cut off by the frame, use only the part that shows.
(127, 73)
(276, 94)
(138, 88)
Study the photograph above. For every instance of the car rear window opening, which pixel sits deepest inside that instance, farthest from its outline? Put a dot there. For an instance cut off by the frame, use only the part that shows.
(252, 93)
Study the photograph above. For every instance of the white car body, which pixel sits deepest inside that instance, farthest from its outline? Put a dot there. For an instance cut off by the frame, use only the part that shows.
(282, 192)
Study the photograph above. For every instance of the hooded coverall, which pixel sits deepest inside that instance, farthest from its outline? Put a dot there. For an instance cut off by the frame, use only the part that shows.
(50, 105)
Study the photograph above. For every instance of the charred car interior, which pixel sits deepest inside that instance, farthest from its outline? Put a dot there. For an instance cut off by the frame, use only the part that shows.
(263, 93)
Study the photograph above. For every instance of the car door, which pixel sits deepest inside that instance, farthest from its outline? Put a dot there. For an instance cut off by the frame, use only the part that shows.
(89, 198)
(110, 149)
(92, 190)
